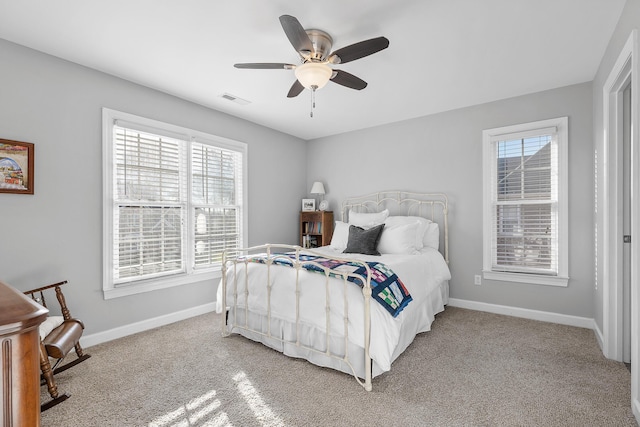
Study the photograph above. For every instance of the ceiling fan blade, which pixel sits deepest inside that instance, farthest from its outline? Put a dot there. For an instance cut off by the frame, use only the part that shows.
(358, 50)
(296, 35)
(295, 90)
(349, 80)
(265, 66)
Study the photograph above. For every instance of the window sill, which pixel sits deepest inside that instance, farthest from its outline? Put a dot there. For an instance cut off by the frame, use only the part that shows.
(124, 290)
(533, 279)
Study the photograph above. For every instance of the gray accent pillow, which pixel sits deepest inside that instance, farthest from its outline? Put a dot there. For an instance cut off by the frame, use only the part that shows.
(363, 241)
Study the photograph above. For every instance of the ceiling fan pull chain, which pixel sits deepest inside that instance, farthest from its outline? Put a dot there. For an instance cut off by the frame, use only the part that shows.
(313, 99)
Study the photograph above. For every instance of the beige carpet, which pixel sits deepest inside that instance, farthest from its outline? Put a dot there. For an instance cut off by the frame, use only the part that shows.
(472, 369)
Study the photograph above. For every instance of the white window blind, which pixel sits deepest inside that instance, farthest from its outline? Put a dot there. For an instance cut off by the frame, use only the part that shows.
(174, 202)
(525, 202)
(216, 190)
(150, 203)
(525, 214)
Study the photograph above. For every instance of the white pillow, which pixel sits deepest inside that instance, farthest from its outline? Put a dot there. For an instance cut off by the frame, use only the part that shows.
(422, 225)
(340, 236)
(432, 236)
(399, 239)
(367, 219)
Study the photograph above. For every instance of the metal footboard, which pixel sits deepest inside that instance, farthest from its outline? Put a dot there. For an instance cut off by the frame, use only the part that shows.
(268, 255)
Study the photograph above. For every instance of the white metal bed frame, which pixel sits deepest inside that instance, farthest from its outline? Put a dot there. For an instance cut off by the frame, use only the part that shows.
(433, 206)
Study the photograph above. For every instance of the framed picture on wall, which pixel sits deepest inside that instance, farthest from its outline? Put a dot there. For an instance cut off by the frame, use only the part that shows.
(308, 204)
(16, 167)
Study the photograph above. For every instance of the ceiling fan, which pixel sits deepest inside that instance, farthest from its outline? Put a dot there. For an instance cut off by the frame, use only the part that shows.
(314, 48)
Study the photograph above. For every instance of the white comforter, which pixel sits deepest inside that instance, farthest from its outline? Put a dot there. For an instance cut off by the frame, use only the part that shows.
(425, 275)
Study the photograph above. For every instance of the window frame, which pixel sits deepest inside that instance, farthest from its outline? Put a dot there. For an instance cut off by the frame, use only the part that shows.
(191, 273)
(560, 144)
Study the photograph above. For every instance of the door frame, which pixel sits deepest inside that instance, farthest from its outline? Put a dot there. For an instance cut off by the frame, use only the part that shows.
(610, 218)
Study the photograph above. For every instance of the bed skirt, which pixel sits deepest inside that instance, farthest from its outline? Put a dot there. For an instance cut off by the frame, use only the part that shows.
(281, 335)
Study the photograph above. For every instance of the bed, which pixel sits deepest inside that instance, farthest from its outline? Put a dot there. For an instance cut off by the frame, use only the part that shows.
(355, 312)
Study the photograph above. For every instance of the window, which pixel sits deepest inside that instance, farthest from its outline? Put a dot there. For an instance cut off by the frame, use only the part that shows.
(173, 203)
(525, 203)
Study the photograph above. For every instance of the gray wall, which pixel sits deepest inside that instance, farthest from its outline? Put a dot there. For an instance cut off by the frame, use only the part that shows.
(629, 20)
(443, 152)
(56, 234)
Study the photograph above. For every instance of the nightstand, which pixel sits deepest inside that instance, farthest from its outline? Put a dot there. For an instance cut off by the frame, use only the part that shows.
(316, 228)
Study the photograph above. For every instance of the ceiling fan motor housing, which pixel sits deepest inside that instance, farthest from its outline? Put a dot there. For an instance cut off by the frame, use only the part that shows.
(321, 42)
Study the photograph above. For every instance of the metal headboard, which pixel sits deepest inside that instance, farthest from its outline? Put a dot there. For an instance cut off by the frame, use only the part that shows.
(432, 206)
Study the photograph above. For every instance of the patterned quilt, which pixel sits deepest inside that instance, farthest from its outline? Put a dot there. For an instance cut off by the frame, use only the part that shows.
(387, 288)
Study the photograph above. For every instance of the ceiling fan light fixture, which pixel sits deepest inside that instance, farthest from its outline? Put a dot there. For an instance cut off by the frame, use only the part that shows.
(313, 75)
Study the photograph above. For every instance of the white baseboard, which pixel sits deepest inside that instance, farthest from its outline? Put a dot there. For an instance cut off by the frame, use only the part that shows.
(545, 316)
(145, 325)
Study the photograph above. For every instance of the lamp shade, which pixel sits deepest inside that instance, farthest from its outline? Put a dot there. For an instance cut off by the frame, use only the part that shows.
(313, 74)
(317, 188)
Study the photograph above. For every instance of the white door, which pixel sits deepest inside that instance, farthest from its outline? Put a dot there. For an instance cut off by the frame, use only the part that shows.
(626, 225)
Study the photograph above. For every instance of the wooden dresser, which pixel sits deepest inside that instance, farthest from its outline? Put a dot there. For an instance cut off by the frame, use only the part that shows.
(19, 358)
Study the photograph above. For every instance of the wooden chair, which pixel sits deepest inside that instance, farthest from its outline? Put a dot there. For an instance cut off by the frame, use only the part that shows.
(58, 335)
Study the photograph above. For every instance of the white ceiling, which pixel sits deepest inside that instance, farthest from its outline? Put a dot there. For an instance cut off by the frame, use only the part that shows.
(443, 54)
